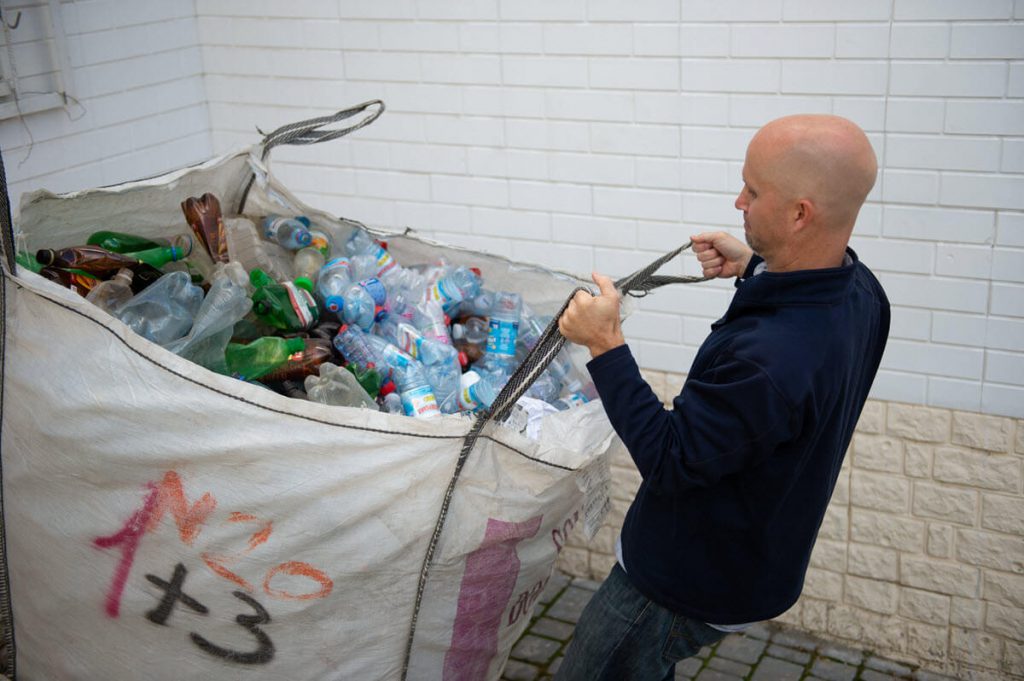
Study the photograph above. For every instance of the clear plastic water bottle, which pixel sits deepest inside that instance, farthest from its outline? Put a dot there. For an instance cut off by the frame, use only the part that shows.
(459, 284)
(410, 340)
(363, 303)
(393, 404)
(503, 333)
(392, 358)
(165, 310)
(417, 395)
(111, 294)
(363, 266)
(479, 305)
(335, 276)
(320, 239)
(354, 345)
(470, 337)
(286, 232)
(478, 392)
(307, 262)
(444, 378)
(432, 322)
(586, 394)
(338, 387)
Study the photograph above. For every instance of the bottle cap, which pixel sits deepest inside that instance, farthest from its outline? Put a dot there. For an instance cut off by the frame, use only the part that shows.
(476, 271)
(387, 389)
(463, 360)
(383, 244)
(304, 238)
(458, 331)
(342, 329)
(304, 282)
(45, 256)
(335, 304)
(304, 220)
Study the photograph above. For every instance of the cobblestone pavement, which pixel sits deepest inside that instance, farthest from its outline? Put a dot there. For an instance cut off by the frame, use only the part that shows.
(764, 652)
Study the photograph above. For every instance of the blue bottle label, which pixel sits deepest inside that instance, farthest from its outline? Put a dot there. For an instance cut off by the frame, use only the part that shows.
(375, 289)
(501, 340)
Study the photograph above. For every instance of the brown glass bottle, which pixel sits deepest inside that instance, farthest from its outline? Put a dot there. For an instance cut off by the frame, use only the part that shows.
(204, 217)
(79, 282)
(92, 259)
(304, 363)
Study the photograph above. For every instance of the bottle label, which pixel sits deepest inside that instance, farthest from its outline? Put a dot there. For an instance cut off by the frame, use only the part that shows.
(375, 289)
(302, 304)
(437, 292)
(320, 241)
(502, 337)
(420, 402)
(385, 263)
(341, 263)
(576, 399)
(468, 400)
(409, 340)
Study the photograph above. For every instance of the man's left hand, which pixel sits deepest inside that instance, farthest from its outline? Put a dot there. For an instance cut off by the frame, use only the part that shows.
(592, 320)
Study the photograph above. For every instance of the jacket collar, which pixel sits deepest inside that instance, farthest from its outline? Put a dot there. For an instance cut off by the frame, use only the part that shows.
(803, 287)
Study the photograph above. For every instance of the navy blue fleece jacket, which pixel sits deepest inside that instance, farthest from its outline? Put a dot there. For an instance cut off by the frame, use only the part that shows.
(737, 475)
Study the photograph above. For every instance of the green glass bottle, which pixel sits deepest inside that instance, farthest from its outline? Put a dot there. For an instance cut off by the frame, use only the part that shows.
(120, 242)
(288, 306)
(263, 355)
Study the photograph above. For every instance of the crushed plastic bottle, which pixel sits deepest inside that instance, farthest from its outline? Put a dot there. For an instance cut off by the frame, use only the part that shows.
(408, 338)
(164, 311)
(225, 304)
(585, 394)
(363, 303)
(332, 281)
(338, 387)
(478, 391)
(361, 243)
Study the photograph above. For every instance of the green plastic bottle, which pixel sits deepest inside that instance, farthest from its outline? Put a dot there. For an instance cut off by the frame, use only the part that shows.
(119, 242)
(161, 255)
(288, 306)
(248, 362)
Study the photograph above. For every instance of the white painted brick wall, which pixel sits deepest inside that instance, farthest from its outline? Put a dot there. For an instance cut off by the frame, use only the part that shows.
(599, 115)
(140, 109)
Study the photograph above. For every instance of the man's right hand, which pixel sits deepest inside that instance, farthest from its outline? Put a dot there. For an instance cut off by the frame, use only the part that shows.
(721, 255)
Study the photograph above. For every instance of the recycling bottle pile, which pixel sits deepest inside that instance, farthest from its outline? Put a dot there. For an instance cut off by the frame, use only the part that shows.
(286, 307)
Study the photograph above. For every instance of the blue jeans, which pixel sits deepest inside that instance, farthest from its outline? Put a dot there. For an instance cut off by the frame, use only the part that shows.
(624, 636)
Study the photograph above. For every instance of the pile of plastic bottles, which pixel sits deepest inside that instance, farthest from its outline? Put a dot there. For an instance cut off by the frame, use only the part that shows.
(287, 307)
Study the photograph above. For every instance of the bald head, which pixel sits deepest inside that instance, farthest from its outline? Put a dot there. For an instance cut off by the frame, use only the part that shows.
(826, 159)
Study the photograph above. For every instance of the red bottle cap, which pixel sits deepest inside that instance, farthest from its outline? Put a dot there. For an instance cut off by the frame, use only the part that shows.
(387, 389)
(383, 244)
(463, 360)
(476, 271)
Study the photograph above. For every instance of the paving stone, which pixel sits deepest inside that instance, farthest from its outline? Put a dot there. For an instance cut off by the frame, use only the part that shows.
(545, 626)
(872, 675)
(520, 671)
(570, 604)
(689, 667)
(741, 648)
(704, 653)
(770, 669)
(842, 653)
(759, 631)
(555, 664)
(728, 666)
(556, 583)
(708, 674)
(794, 639)
(888, 666)
(535, 649)
(790, 654)
(831, 670)
(588, 584)
(922, 675)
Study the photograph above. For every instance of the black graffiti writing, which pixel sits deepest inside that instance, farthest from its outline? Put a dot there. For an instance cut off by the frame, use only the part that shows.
(263, 654)
(174, 593)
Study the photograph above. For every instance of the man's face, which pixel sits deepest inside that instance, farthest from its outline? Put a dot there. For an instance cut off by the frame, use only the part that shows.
(762, 206)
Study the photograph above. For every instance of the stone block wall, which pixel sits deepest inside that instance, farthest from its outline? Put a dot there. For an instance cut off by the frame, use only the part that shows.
(920, 556)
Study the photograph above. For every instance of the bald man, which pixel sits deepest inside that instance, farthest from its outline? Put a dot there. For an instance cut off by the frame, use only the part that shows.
(736, 477)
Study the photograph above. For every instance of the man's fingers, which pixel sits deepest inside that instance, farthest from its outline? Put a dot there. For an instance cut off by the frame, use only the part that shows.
(606, 285)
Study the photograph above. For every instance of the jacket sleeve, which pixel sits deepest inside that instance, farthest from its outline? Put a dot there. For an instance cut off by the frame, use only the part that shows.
(730, 417)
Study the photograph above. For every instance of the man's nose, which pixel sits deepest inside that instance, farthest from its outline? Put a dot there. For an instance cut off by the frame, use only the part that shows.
(740, 203)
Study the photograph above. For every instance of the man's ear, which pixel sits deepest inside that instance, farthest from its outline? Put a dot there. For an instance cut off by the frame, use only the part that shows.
(804, 213)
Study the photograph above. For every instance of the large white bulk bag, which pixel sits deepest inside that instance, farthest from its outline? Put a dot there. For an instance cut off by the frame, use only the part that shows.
(162, 521)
